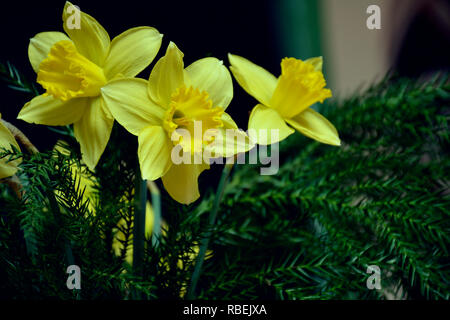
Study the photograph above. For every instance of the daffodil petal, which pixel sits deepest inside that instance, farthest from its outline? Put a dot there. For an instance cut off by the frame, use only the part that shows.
(257, 81)
(128, 101)
(132, 51)
(154, 152)
(315, 126)
(92, 131)
(45, 109)
(317, 62)
(6, 137)
(228, 122)
(228, 140)
(90, 38)
(7, 169)
(167, 75)
(181, 181)
(149, 220)
(210, 75)
(40, 45)
(265, 122)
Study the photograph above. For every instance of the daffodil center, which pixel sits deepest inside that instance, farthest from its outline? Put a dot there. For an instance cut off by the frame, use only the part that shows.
(66, 74)
(299, 87)
(189, 116)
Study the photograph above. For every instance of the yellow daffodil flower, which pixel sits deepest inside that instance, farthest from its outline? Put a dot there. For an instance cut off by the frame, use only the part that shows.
(7, 168)
(176, 98)
(72, 68)
(284, 103)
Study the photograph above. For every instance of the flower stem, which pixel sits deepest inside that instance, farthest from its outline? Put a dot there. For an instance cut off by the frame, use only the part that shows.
(139, 223)
(212, 220)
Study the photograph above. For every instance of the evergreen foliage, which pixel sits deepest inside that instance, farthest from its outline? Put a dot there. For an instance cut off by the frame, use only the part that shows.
(308, 232)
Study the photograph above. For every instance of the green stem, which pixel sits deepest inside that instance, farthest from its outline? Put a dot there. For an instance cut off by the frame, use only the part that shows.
(205, 242)
(54, 207)
(139, 223)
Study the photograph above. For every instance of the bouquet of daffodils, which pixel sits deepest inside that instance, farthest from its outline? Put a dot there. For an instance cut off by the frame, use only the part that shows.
(117, 200)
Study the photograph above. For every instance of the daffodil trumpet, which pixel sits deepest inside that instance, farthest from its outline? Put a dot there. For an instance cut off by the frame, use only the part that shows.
(73, 67)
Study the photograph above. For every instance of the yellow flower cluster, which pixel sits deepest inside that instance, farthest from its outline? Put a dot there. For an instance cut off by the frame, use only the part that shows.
(90, 82)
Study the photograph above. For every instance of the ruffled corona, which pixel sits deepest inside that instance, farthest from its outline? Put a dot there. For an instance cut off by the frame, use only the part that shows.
(299, 87)
(66, 74)
(192, 110)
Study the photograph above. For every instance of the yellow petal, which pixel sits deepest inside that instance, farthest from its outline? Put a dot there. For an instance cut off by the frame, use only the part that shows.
(265, 122)
(257, 81)
(210, 75)
(317, 63)
(154, 152)
(312, 124)
(228, 122)
(132, 51)
(47, 110)
(93, 131)
(90, 38)
(128, 101)
(228, 140)
(7, 169)
(167, 75)
(181, 181)
(40, 45)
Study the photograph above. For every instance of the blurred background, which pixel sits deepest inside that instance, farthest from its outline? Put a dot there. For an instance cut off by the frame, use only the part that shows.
(413, 39)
